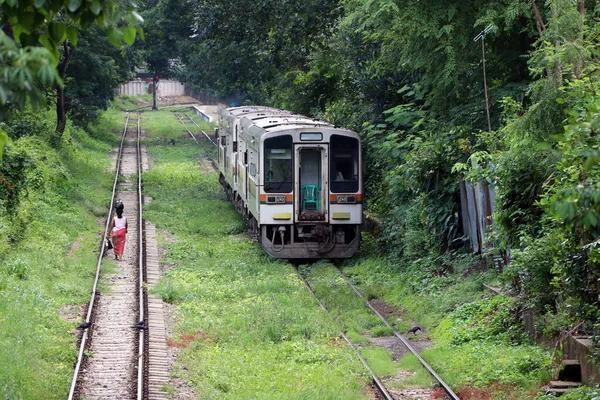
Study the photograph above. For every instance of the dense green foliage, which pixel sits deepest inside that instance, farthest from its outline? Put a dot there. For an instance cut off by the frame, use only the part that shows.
(36, 37)
(95, 72)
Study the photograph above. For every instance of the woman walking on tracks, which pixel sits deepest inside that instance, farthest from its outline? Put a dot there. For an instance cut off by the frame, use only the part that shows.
(118, 230)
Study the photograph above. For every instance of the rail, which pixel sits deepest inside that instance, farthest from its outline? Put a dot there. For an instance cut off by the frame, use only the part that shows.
(376, 381)
(443, 384)
(91, 316)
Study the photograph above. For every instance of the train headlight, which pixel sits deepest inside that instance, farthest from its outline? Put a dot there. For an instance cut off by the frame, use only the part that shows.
(346, 199)
(276, 199)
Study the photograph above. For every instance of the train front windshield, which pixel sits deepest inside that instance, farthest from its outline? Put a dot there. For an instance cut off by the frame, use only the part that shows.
(344, 164)
(278, 165)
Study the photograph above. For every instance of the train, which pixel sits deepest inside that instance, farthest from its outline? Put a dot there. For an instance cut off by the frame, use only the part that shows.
(297, 181)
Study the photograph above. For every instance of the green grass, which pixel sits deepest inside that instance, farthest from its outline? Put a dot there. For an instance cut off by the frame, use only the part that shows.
(125, 103)
(48, 264)
(479, 364)
(478, 340)
(380, 361)
(246, 325)
(380, 331)
(420, 377)
(349, 310)
(163, 125)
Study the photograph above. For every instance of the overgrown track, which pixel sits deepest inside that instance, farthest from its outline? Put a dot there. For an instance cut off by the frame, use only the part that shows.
(183, 118)
(377, 382)
(404, 341)
(112, 357)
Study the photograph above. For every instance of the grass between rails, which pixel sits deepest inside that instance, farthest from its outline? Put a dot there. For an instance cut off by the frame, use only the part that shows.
(479, 340)
(48, 259)
(245, 324)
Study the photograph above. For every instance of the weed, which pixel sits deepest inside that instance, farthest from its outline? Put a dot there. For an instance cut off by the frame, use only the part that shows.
(42, 270)
(380, 361)
(357, 338)
(380, 331)
(18, 268)
(168, 389)
(415, 375)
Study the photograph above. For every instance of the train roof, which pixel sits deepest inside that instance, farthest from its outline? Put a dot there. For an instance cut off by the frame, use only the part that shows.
(262, 120)
(255, 112)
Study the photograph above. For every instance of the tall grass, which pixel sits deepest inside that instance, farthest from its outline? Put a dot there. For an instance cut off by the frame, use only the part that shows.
(48, 265)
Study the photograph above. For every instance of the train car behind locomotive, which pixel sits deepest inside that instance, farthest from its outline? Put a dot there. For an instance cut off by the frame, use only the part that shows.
(297, 181)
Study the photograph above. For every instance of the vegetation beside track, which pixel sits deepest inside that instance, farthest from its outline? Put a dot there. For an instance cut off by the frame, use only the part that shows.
(478, 343)
(50, 222)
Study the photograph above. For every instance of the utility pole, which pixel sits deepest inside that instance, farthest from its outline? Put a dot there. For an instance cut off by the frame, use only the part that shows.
(487, 102)
(154, 86)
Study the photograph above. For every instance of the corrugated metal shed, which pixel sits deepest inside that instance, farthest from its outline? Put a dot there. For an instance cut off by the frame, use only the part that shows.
(477, 205)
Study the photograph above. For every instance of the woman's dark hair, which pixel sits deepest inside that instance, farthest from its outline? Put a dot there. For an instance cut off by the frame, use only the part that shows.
(119, 212)
(119, 205)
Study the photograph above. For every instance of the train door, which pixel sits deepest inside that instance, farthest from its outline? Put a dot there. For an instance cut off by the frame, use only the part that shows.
(234, 153)
(312, 186)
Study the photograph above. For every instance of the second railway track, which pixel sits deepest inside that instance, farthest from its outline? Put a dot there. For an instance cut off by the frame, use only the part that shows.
(378, 382)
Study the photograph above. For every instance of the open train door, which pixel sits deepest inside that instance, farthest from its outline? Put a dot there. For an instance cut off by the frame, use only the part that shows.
(311, 183)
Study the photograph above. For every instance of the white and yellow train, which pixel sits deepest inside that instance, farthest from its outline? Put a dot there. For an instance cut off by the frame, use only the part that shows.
(297, 181)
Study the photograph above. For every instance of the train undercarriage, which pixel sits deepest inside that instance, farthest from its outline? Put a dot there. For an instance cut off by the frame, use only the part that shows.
(310, 240)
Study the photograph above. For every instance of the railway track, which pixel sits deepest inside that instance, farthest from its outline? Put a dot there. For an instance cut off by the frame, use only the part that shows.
(185, 119)
(123, 347)
(377, 381)
(405, 342)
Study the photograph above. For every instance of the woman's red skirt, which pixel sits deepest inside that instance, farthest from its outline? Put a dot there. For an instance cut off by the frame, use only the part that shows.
(119, 241)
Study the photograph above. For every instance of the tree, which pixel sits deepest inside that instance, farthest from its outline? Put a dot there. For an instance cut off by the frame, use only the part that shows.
(241, 52)
(171, 28)
(96, 70)
(53, 25)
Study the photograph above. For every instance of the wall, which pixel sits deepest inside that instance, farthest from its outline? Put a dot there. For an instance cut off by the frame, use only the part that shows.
(166, 88)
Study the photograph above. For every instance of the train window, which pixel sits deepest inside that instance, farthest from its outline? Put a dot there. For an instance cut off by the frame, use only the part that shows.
(235, 146)
(278, 165)
(223, 140)
(252, 169)
(343, 164)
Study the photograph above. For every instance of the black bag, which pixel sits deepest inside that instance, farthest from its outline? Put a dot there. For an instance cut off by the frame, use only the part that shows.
(108, 244)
